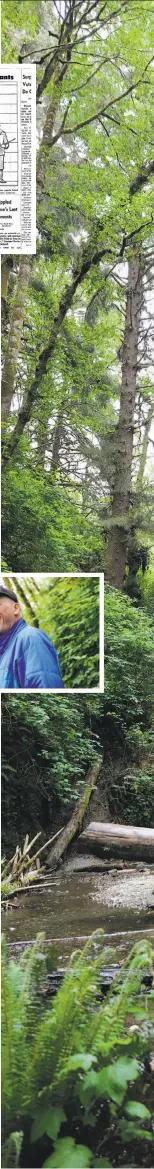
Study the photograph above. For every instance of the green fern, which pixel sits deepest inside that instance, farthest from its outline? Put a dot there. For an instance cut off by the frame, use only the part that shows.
(108, 1030)
(11, 1151)
(20, 1017)
(78, 1048)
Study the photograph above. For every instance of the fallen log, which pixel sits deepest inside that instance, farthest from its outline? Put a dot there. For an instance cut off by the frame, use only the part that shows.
(54, 981)
(121, 839)
(105, 979)
(74, 824)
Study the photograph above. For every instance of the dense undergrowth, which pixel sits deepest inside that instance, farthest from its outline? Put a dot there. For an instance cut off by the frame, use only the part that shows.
(48, 741)
(77, 1070)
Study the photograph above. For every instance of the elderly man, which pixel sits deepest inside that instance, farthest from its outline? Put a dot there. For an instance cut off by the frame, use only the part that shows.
(28, 660)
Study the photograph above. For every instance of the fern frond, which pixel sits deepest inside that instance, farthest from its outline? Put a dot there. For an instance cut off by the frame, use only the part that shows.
(38, 1041)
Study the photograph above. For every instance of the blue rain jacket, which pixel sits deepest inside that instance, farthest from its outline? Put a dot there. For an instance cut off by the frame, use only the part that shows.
(28, 659)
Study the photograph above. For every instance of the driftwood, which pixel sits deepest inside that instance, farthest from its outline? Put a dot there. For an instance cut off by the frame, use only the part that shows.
(16, 860)
(47, 842)
(120, 839)
(21, 860)
(75, 822)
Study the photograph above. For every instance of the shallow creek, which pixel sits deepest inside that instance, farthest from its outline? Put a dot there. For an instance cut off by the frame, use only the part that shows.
(74, 905)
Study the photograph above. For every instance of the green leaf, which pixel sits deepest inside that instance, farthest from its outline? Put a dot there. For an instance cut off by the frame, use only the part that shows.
(83, 1060)
(112, 1080)
(86, 1089)
(68, 1155)
(130, 1130)
(135, 1108)
(48, 1121)
(103, 1163)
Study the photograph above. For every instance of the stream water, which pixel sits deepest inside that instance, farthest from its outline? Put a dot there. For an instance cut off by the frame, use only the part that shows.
(69, 910)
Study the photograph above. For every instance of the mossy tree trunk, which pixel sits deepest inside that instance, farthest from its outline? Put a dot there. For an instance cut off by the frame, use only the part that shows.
(15, 333)
(76, 819)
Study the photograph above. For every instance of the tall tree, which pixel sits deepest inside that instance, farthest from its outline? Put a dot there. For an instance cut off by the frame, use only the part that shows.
(95, 173)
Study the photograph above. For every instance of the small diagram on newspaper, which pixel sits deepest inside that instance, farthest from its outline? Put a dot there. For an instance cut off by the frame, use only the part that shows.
(17, 159)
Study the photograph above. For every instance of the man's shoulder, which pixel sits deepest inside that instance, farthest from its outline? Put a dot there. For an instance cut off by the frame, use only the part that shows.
(27, 632)
(30, 634)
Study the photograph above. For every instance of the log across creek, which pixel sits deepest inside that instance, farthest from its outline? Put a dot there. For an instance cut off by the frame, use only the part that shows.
(123, 840)
(54, 980)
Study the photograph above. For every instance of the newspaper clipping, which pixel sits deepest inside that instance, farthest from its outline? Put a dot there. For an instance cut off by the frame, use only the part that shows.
(18, 159)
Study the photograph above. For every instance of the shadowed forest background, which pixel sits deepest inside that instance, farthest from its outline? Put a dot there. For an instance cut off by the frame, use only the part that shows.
(77, 318)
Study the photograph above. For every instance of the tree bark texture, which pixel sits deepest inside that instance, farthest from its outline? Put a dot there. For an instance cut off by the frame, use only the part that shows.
(46, 142)
(118, 534)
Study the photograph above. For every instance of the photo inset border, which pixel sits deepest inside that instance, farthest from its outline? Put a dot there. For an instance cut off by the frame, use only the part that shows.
(29, 602)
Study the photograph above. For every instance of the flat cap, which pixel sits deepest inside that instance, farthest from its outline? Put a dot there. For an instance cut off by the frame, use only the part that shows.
(8, 593)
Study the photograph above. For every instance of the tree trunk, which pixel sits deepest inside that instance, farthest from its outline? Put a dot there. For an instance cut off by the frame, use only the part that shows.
(76, 819)
(118, 534)
(118, 839)
(85, 488)
(57, 436)
(43, 438)
(143, 455)
(16, 325)
(6, 269)
(46, 142)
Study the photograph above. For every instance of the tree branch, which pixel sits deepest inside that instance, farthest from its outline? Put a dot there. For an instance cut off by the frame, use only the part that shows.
(141, 179)
(89, 258)
(103, 110)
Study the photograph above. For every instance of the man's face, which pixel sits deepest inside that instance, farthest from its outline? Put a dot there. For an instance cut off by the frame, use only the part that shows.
(9, 613)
